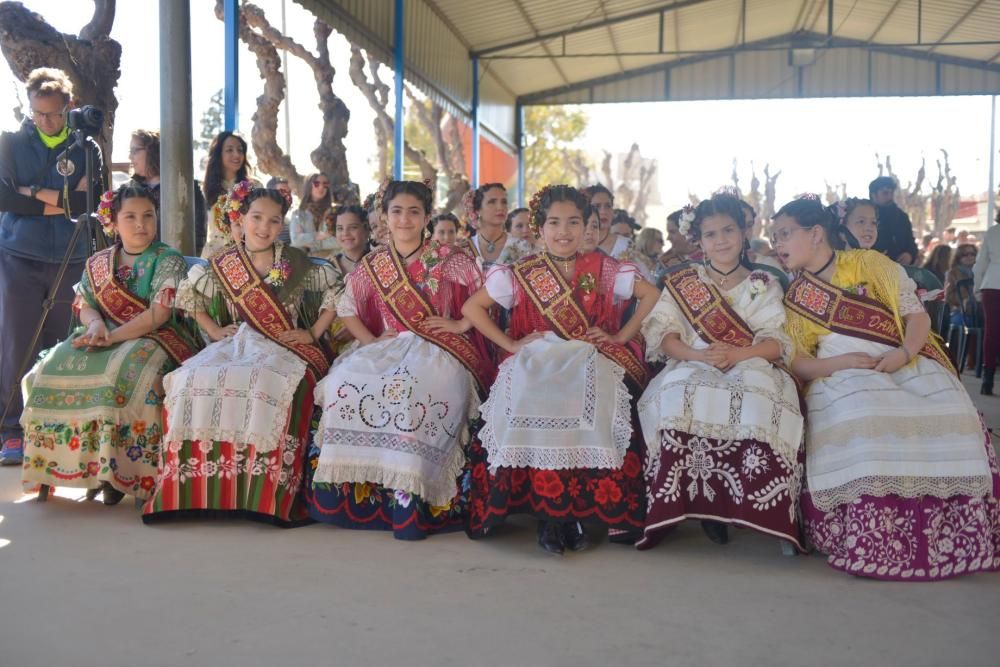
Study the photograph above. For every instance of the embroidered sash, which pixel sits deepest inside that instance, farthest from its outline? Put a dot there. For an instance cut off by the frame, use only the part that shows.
(260, 307)
(711, 316)
(553, 297)
(849, 314)
(706, 310)
(122, 306)
(408, 304)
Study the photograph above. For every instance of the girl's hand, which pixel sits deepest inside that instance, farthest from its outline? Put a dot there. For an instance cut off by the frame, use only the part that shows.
(713, 357)
(295, 337)
(521, 343)
(438, 324)
(95, 336)
(218, 333)
(892, 361)
(598, 335)
(857, 360)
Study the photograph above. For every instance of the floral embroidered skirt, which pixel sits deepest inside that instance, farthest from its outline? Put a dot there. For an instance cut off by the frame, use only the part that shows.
(369, 506)
(740, 482)
(613, 497)
(910, 539)
(217, 479)
(94, 417)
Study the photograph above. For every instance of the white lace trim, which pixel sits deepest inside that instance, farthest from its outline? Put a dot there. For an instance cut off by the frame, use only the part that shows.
(438, 493)
(904, 487)
(542, 458)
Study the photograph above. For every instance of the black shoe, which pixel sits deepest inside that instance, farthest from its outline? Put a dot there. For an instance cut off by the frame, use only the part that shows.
(716, 531)
(112, 496)
(987, 388)
(550, 537)
(575, 536)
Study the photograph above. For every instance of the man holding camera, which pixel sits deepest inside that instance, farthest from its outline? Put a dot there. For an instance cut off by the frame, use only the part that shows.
(43, 189)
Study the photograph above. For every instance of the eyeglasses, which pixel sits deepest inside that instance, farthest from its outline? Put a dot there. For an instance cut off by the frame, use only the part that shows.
(783, 235)
(51, 115)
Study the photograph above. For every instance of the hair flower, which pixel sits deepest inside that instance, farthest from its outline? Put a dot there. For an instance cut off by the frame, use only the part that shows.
(105, 212)
(687, 218)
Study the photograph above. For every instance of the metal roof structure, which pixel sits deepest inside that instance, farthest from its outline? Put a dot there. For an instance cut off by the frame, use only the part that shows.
(486, 59)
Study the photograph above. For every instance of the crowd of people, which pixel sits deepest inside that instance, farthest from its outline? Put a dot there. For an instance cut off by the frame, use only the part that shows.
(393, 367)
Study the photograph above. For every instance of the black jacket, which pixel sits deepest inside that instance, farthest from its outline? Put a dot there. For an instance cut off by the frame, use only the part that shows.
(895, 232)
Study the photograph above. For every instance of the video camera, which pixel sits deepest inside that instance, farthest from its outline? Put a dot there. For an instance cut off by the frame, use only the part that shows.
(88, 119)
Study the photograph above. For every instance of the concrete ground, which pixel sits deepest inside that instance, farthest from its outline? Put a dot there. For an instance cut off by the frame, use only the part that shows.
(82, 584)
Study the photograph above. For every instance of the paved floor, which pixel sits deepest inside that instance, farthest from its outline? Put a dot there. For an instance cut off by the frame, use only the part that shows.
(82, 585)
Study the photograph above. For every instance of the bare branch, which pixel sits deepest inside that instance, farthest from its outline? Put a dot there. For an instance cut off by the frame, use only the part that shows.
(102, 21)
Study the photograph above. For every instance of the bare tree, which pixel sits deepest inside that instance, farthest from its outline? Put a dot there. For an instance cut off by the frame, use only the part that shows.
(377, 93)
(330, 156)
(767, 210)
(946, 197)
(443, 132)
(91, 60)
(633, 183)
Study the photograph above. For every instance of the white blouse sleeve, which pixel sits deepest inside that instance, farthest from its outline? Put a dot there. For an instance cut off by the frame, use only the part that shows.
(625, 281)
(909, 302)
(665, 318)
(346, 305)
(500, 285)
(769, 321)
(191, 292)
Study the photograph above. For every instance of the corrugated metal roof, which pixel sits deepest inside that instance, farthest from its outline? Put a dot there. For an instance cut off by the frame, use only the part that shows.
(556, 51)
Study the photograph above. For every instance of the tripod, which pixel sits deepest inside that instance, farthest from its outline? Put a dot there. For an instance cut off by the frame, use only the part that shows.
(85, 221)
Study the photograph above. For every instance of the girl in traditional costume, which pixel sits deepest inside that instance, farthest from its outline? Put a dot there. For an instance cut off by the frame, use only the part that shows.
(238, 413)
(901, 478)
(856, 227)
(615, 246)
(722, 422)
(558, 440)
(92, 416)
(397, 410)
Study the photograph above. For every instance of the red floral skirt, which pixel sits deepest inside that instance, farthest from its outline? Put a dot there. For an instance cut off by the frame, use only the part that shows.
(612, 497)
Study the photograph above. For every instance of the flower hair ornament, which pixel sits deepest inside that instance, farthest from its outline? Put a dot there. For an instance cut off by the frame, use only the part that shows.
(380, 194)
(535, 207)
(287, 196)
(228, 208)
(105, 212)
(687, 217)
(841, 209)
(468, 208)
(808, 196)
(729, 191)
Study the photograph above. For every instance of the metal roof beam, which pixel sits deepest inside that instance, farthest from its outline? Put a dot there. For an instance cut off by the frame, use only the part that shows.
(956, 24)
(545, 47)
(820, 45)
(781, 42)
(545, 37)
(888, 15)
(468, 47)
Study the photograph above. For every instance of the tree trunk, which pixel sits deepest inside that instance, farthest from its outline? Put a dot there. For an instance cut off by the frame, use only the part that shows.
(91, 60)
(330, 157)
(376, 92)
